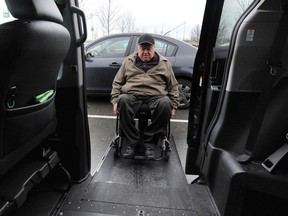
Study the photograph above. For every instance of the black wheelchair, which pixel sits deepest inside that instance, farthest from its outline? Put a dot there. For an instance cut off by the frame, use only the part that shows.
(163, 149)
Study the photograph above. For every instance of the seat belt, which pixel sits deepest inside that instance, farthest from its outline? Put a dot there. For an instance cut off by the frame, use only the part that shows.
(270, 80)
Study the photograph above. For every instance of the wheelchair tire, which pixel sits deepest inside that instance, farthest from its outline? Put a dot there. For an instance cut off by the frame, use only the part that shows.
(165, 149)
(167, 154)
(116, 153)
(117, 147)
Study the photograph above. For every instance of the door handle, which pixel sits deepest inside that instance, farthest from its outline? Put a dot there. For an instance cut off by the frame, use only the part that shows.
(83, 35)
(115, 64)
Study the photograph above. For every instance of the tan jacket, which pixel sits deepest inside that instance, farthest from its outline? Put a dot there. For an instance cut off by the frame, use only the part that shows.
(160, 80)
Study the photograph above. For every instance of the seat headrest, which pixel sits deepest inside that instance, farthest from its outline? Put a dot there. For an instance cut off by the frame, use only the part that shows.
(34, 9)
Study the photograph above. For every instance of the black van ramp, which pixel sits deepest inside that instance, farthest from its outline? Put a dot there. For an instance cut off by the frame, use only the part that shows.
(139, 187)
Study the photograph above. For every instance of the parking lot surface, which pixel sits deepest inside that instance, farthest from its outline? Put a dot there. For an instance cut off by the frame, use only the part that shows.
(102, 124)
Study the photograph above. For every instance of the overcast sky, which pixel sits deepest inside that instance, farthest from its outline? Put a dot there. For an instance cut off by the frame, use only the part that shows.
(154, 16)
(158, 16)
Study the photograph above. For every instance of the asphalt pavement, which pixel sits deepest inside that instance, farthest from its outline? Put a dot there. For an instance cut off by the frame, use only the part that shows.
(102, 123)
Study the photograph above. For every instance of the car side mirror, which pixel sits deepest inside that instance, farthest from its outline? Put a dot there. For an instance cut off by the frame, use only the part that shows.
(88, 57)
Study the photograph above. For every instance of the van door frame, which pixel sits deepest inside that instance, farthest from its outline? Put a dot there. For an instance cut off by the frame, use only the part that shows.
(202, 64)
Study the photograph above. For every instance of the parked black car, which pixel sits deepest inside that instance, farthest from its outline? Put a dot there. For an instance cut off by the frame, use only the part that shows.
(105, 55)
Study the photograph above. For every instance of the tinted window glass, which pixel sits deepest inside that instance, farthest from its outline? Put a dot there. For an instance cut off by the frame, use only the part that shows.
(110, 48)
(171, 50)
(5, 15)
(232, 10)
(164, 48)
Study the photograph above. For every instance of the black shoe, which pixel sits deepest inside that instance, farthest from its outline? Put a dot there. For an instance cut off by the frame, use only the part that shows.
(129, 152)
(149, 153)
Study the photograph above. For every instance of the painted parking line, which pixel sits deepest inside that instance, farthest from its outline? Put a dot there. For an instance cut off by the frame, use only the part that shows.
(114, 117)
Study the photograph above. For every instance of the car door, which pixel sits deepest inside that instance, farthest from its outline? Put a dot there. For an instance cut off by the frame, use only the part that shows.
(237, 132)
(103, 59)
(219, 20)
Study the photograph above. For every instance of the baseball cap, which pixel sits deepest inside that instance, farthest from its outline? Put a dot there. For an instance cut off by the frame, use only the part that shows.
(146, 39)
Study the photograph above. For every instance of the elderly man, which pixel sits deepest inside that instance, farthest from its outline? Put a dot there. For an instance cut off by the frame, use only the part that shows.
(144, 77)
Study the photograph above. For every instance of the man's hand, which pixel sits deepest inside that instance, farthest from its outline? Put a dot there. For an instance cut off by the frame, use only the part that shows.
(173, 113)
(115, 109)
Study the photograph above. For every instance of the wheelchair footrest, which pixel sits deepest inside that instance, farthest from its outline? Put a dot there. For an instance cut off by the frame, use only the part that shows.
(161, 151)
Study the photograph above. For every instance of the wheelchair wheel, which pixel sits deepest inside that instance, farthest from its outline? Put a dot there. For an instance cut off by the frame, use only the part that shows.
(116, 144)
(167, 154)
(165, 149)
(117, 152)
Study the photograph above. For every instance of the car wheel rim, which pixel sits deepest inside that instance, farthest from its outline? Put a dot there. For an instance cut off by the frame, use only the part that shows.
(185, 94)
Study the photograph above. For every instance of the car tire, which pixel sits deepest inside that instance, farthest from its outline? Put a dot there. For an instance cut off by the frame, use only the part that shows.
(184, 93)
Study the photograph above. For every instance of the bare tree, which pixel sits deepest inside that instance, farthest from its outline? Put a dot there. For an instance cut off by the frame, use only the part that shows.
(243, 4)
(223, 36)
(82, 5)
(109, 16)
(195, 34)
(126, 22)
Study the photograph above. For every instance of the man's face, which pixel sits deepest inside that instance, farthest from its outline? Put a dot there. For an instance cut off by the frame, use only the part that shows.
(146, 52)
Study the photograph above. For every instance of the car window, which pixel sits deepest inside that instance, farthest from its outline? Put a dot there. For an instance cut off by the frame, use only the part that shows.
(109, 48)
(232, 10)
(5, 15)
(164, 48)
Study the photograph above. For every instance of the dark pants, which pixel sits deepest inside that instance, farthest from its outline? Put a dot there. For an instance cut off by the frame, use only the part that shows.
(128, 106)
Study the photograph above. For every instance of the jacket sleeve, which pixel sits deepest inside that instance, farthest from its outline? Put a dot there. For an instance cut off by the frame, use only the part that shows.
(118, 82)
(172, 87)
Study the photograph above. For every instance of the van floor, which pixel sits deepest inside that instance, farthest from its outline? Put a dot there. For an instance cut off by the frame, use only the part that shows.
(138, 187)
